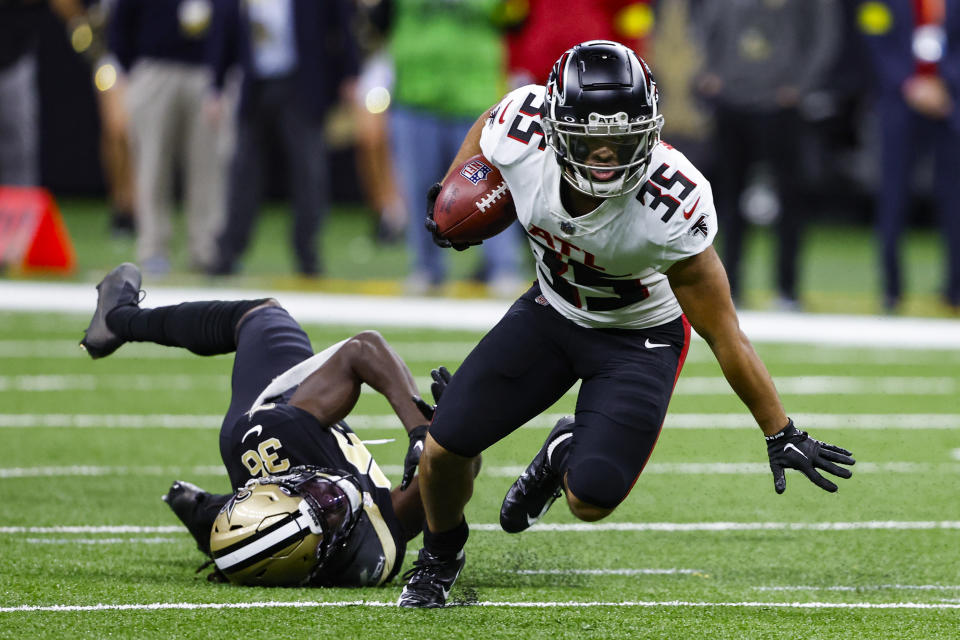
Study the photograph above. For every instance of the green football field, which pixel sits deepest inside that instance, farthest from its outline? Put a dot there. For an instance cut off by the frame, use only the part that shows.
(702, 547)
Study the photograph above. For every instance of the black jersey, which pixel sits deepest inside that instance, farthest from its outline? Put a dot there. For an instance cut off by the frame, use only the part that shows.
(273, 438)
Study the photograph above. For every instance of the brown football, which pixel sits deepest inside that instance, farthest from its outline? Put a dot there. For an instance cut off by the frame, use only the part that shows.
(474, 204)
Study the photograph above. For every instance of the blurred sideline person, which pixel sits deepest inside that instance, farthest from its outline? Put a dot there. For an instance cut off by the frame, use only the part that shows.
(760, 60)
(86, 22)
(449, 64)
(371, 120)
(914, 50)
(620, 225)
(161, 44)
(298, 58)
(19, 95)
(298, 469)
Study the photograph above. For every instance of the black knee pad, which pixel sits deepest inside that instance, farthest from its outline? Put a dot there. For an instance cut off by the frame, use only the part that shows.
(598, 482)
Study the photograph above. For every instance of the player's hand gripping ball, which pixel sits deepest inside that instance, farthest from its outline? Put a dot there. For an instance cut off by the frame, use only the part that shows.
(474, 204)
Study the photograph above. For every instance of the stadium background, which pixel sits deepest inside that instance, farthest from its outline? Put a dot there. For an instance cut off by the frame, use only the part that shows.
(701, 548)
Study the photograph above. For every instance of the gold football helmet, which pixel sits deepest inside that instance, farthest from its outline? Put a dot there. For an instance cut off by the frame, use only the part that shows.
(281, 530)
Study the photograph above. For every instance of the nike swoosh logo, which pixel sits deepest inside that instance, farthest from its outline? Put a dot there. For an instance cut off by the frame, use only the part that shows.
(653, 345)
(790, 445)
(689, 212)
(504, 112)
(258, 429)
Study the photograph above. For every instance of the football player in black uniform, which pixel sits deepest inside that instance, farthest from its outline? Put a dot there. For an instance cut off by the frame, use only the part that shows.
(311, 505)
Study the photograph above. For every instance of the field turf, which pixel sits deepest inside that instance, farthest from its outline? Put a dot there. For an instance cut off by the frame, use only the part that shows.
(702, 547)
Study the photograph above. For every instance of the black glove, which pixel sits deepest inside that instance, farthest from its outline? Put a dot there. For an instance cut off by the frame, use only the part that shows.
(431, 226)
(414, 451)
(441, 377)
(791, 448)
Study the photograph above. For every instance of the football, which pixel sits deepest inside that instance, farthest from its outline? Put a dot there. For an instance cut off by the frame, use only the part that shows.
(474, 203)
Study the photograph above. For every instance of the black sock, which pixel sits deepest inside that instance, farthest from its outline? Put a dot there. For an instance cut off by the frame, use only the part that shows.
(446, 543)
(205, 328)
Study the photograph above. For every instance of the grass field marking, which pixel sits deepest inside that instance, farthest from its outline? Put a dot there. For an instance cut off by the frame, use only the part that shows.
(103, 540)
(448, 352)
(160, 606)
(955, 454)
(868, 587)
(692, 385)
(721, 527)
(80, 470)
(480, 315)
(507, 471)
(712, 421)
(607, 572)
(706, 527)
(117, 528)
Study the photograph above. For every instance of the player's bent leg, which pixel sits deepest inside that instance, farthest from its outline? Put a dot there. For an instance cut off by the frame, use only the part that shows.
(444, 501)
(533, 493)
(586, 509)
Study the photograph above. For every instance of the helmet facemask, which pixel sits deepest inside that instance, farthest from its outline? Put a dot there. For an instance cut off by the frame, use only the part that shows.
(619, 171)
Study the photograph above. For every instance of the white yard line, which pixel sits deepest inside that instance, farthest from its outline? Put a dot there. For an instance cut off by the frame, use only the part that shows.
(444, 352)
(867, 587)
(712, 421)
(703, 527)
(606, 572)
(687, 385)
(503, 471)
(94, 541)
(160, 606)
(446, 313)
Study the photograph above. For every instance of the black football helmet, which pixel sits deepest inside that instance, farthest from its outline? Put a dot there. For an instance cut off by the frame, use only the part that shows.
(602, 92)
(282, 530)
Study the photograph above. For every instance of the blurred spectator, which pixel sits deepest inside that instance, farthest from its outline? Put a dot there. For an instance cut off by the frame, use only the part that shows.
(761, 58)
(19, 24)
(449, 64)
(162, 43)
(86, 22)
(543, 29)
(298, 58)
(374, 160)
(915, 54)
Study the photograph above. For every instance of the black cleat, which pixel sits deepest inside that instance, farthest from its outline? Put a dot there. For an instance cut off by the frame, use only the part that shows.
(529, 497)
(430, 580)
(120, 287)
(184, 499)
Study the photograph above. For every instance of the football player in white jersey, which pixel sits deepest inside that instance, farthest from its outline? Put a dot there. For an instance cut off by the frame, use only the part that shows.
(620, 225)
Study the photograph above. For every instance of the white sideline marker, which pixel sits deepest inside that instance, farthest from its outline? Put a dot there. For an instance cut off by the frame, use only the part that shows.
(711, 421)
(445, 313)
(716, 527)
(655, 468)
(159, 606)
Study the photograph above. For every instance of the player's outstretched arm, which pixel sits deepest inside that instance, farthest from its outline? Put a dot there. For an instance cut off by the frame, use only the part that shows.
(700, 285)
(331, 392)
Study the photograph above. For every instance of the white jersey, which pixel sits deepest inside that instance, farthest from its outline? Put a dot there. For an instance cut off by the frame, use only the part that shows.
(604, 269)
